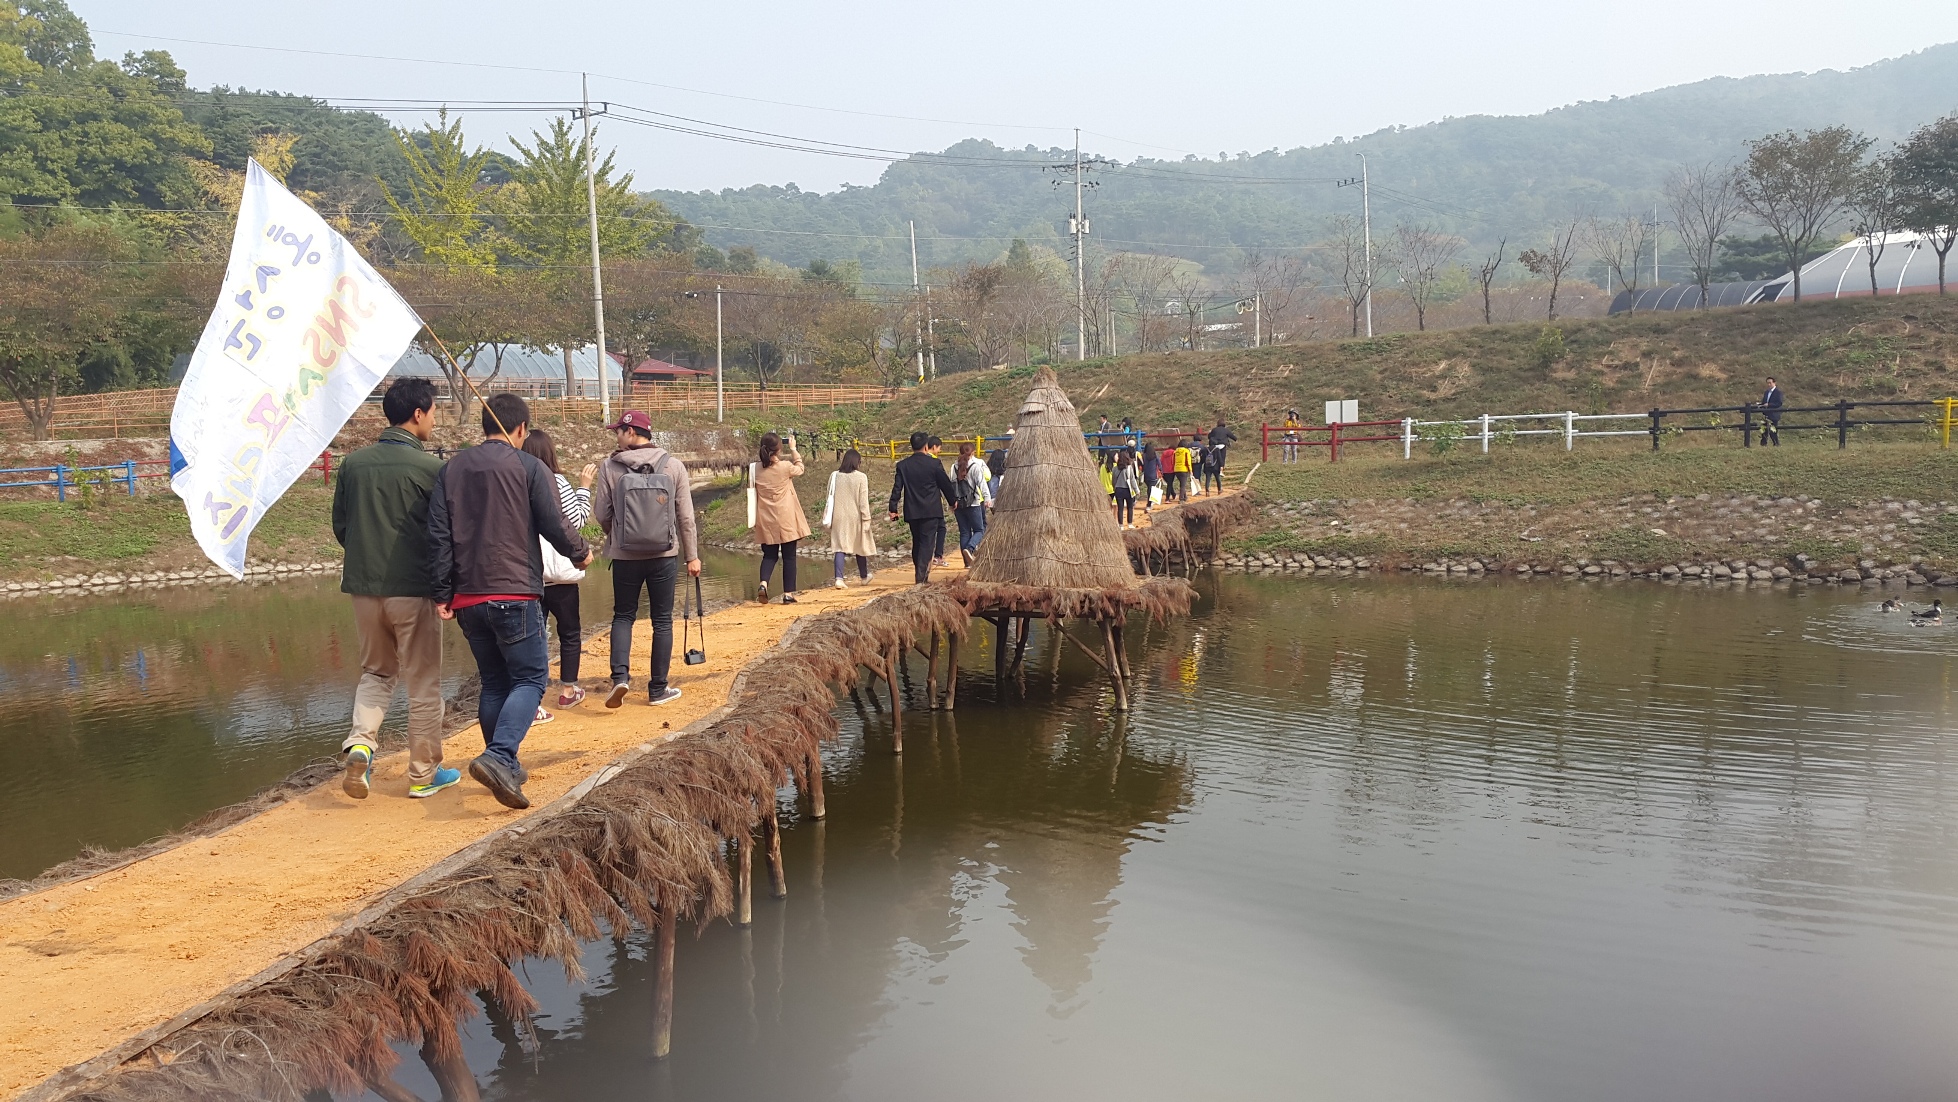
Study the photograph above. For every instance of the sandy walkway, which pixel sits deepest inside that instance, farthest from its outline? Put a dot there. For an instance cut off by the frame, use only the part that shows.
(92, 962)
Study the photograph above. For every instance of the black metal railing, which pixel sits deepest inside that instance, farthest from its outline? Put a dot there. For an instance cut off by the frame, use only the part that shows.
(1770, 423)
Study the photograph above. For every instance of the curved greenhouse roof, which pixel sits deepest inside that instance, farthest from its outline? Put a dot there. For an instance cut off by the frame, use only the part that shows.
(1906, 264)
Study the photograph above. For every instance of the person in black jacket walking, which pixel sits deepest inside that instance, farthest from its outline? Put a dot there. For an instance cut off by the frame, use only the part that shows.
(921, 489)
(1771, 414)
(1220, 438)
(489, 506)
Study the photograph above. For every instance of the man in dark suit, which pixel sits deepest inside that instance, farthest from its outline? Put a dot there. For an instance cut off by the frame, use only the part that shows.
(922, 489)
(1771, 414)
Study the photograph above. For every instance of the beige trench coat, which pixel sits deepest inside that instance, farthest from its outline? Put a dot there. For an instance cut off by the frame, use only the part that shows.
(778, 511)
(849, 519)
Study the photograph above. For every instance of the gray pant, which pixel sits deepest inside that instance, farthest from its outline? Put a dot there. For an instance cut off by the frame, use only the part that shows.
(400, 640)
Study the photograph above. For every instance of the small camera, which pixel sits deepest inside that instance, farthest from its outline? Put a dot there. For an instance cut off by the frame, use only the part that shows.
(696, 656)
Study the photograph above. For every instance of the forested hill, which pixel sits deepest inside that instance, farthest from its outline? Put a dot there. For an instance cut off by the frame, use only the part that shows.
(1480, 176)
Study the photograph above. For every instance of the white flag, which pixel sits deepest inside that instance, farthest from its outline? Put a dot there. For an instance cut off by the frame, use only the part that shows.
(303, 331)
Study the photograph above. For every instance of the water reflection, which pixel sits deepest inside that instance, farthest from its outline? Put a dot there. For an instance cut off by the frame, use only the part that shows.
(1360, 839)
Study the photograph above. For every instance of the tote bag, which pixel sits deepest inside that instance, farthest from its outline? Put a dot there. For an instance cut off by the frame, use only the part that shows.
(751, 493)
(829, 507)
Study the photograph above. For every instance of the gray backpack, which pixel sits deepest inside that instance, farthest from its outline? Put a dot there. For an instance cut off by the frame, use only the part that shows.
(646, 515)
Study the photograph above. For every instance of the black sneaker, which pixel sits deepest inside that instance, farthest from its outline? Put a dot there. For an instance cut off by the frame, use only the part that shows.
(503, 783)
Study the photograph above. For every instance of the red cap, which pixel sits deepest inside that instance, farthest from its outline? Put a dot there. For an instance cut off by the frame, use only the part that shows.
(633, 419)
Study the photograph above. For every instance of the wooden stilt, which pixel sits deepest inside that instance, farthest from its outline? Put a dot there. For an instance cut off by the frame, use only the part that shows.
(663, 985)
(897, 707)
(999, 654)
(744, 882)
(1114, 667)
(952, 669)
(1024, 629)
(1122, 653)
(931, 674)
(1099, 660)
(771, 833)
(452, 1076)
(385, 1086)
(817, 808)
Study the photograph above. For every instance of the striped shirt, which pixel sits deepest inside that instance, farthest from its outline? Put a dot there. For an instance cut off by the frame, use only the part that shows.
(574, 502)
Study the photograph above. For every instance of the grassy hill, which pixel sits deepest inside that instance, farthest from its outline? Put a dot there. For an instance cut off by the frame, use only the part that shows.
(1821, 351)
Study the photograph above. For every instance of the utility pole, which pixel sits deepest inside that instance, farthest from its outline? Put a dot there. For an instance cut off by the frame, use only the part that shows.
(597, 280)
(720, 391)
(1655, 245)
(917, 300)
(1366, 232)
(1080, 228)
(931, 334)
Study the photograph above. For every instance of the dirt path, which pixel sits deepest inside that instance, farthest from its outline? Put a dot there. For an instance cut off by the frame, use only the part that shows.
(91, 962)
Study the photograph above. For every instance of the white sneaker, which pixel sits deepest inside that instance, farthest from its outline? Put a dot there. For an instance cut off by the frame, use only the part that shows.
(617, 695)
(840, 585)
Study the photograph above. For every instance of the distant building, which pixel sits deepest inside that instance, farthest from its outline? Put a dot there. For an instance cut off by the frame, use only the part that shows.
(1907, 265)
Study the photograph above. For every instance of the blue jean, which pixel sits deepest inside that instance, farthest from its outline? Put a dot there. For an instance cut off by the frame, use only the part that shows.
(514, 661)
(972, 525)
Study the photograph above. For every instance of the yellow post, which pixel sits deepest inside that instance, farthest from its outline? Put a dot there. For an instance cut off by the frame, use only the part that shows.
(1947, 403)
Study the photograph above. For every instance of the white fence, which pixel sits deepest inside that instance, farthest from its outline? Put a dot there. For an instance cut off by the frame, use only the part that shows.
(1486, 427)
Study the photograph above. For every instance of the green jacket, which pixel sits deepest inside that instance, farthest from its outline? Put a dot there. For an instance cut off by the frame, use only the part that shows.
(380, 515)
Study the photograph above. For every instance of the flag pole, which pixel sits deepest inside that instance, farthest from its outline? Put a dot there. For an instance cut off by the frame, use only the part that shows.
(464, 376)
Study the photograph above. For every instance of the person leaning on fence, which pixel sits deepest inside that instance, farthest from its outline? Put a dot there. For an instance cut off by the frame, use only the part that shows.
(490, 505)
(561, 576)
(780, 522)
(1771, 404)
(380, 516)
(1291, 437)
(849, 517)
(644, 501)
(973, 493)
(920, 490)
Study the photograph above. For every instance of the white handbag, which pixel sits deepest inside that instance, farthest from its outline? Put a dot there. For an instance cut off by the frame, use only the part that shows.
(829, 507)
(751, 493)
(558, 570)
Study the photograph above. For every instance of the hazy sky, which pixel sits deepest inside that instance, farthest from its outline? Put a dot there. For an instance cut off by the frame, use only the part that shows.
(1141, 78)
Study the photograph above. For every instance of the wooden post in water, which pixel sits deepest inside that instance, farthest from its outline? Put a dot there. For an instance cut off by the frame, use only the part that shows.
(771, 833)
(897, 708)
(999, 656)
(931, 674)
(1114, 667)
(744, 882)
(385, 1086)
(817, 809)
(452, 1076)
(1122, 653)
(663, 985)
(1024, 631)
(952, 670)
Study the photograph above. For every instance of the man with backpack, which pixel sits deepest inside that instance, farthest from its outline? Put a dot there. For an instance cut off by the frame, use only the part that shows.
(488, 508)
(643, 500)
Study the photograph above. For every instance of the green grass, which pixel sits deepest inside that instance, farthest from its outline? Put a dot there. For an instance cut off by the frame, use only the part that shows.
(115, 531)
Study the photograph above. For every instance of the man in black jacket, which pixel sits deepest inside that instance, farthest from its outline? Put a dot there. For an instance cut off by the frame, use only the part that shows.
(490, 505)
(1771, 402)
(923, 488)
(1220, 438)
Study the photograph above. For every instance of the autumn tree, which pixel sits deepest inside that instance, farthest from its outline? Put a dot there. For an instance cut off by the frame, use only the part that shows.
(1704, 207)
(1141, 280)
(1486, 275)
(544, 211)
(1420, 255)
(59, 292)
(446, 208)
(1619, 243)
(973, 301)
(1875, 207)
(1346, 238)
(1798, 184)
(1927, 178)
(1554, 262)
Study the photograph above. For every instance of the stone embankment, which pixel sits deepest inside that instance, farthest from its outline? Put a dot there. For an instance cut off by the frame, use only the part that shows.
(1864, 572)
(161, 579)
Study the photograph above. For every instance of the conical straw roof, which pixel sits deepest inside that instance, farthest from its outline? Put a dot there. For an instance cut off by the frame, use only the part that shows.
(1052, 526)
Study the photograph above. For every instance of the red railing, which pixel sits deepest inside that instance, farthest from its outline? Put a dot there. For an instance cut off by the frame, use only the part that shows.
(1337, 436)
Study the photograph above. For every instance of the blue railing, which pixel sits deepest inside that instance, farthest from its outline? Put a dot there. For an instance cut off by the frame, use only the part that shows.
(64, 478)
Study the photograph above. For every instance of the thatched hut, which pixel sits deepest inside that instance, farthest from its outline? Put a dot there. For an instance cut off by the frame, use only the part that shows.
(1052, 547)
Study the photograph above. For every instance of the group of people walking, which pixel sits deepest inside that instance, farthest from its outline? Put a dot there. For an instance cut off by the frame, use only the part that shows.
(1129, 474)
(490, 539)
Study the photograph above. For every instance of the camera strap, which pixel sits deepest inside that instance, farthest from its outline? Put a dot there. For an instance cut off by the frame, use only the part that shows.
(693, 606)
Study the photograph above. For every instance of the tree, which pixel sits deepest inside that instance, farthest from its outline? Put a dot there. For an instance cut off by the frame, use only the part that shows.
(1927, 176)
(446, 199)
(1797, 185)
(470, 313)
(1279, 283)
(1619, 243)
(545, 209)
(1703, 207)
(1553, 263)
(59, 295)
(1141, 279)
(1874, 210)
(1190, 298)
(1347, 238)
(1419, 254)
(1486, 275)
(973, 296)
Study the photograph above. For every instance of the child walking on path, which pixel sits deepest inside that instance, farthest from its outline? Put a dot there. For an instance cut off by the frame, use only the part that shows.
(561, 578)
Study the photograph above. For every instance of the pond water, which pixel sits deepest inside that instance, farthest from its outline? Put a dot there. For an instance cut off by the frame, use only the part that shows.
(1360, 839)
(129, 715)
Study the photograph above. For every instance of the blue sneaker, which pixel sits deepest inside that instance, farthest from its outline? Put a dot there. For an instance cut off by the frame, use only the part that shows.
(360, 771)
(444, 778)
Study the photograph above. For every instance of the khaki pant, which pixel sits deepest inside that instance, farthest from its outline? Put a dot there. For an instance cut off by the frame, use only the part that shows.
(400, 639)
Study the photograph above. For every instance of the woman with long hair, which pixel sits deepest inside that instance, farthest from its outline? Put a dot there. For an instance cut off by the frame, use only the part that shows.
(849, 517)
(561, 578)
(779, 520)
(974, 493)
(1152, 475)
(1128, 483)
